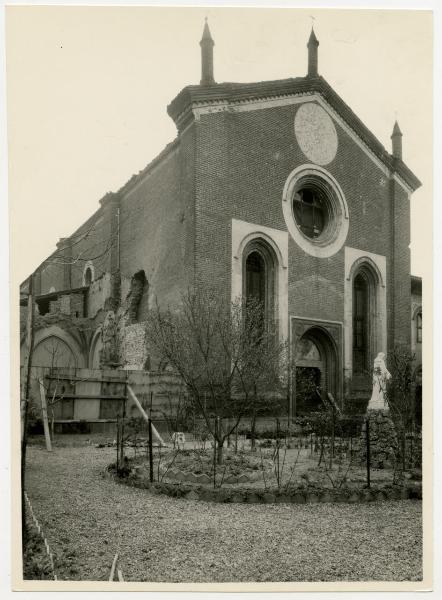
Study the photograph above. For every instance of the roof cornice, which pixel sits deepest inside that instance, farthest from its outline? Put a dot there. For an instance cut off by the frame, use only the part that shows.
(225, 95)
(149, 168)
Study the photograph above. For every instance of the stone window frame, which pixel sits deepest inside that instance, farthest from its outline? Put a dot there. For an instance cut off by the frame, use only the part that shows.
(335, 230)
(375, 266)
(243, 233)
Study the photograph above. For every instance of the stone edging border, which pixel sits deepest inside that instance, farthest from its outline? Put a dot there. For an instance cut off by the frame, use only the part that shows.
(269, 496)
(202, 478)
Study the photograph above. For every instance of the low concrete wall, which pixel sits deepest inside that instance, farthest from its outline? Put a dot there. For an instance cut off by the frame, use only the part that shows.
(93, 397)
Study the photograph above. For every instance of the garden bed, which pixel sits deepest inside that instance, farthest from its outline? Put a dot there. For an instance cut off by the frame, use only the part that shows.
(242, 493)
(268, 465)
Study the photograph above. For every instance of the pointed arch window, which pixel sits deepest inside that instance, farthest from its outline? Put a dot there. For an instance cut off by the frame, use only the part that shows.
(88, 273)
(88, 276)
(259, 281)
(365, 310)
(365, 287)
(256, 277)
(419, 328)
(360, 324)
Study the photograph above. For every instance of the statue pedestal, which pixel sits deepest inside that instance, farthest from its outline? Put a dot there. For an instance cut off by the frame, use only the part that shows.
(383, 439)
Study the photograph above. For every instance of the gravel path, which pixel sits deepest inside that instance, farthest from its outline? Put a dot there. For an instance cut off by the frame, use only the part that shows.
(87, 519)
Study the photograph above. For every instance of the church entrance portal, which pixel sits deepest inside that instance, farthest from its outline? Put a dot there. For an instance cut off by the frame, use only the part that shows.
(316, 370)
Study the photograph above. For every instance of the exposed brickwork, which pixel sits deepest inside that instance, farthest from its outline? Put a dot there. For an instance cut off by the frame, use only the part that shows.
(134, 348)
(401, 268)
(156, 220)
(243, 162)
(173, 220)
(71, 305)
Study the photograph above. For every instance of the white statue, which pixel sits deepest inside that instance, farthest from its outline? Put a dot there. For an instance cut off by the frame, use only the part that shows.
(380, 377)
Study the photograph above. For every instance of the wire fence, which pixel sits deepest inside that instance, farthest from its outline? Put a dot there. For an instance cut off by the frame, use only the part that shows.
(321, 446)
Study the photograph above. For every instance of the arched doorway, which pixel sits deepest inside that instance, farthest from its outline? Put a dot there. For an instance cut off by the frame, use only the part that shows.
(316, 370)
(56, 353)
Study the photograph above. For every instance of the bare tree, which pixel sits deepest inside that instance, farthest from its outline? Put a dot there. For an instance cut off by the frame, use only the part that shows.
(176, 413)
(225, 353)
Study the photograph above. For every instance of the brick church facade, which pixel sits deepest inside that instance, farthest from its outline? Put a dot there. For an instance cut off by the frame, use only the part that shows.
(273, 189)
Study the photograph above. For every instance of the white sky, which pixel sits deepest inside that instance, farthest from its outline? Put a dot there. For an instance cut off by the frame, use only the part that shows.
(88, 89)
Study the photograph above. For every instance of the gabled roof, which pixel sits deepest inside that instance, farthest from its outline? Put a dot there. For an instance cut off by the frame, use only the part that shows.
(238, 92)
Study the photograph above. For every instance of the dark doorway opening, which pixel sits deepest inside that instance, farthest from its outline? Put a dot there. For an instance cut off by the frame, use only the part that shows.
(316, 372)
(308, 389)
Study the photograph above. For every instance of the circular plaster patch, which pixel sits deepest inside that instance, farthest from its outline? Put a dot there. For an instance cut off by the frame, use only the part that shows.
(316, 133)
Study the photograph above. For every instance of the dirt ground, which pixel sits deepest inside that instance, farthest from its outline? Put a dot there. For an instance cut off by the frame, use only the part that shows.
(87, 519)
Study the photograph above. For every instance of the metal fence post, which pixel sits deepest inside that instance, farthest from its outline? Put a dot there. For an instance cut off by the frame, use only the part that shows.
(215, 437)
(118, 443)
(367, 439)
(150, 450)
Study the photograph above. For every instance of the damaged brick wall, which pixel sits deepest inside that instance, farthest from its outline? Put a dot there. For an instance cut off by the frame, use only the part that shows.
(99, 292)
(137, 285)
(110, 351)
(71, 305)
(123, 339)
(134, 348)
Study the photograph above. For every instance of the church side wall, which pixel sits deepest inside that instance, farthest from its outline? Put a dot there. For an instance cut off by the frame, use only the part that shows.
(92, 242)
(63, 270)
(50, 275)
(156, 228)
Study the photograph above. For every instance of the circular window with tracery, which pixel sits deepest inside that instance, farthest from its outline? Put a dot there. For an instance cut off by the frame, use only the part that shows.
(315, 211)
(310, 211)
